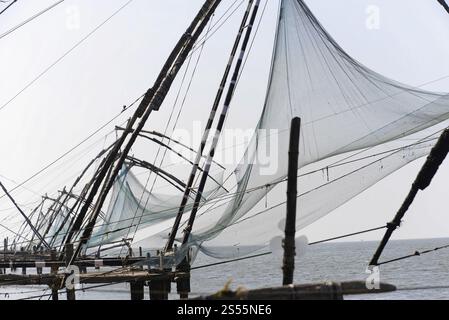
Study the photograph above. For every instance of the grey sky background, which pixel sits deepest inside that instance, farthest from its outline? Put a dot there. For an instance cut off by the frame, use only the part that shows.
(121, 60)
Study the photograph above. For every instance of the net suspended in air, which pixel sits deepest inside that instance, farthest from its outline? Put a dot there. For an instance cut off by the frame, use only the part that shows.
(357, 127)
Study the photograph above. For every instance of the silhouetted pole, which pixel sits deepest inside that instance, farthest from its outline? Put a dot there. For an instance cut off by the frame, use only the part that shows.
(290, 223)
(30, 224)
(425, 176)
(444, 4)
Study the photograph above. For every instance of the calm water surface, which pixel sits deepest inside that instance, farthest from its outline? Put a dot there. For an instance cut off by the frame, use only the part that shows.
(324, 262)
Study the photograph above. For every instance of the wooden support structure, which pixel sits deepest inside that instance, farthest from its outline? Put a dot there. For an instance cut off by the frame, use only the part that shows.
(160, 286)
(54, 271)
(290, 223)
(24, 269)
(183, 286)
(5, 246)
(137, 290)
(68, 254)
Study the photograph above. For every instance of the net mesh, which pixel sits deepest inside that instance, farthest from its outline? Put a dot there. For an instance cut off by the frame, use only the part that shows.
(357, 127)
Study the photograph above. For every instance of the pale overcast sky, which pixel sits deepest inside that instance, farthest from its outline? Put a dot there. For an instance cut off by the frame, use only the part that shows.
(120, 61)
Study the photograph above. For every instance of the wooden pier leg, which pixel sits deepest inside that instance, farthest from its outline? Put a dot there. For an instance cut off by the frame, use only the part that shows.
(54, 271)
(5, 244)
(183, 287)
(137, 290)
(159, 288)
(24, 269)
(290, 223)
(68, 255)
(38, 270)
(83, 269)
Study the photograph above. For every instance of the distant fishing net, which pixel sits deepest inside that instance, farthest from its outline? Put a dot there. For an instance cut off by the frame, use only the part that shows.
(357, 127)
(132, 206)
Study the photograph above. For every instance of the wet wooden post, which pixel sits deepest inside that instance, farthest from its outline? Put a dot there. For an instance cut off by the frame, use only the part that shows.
(5, 245)
(290, 223)
(183, 283)
(183, 286)
(38, 269)
(83, 269)
(137, 290)
(54, 271)
(141, 255)
(68, 254)
(160, 286)
(148, 260)
(24, 269)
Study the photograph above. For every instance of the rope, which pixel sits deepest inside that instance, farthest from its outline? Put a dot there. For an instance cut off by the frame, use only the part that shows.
(72, 149)
(268, 253)
(415, 254)
(64, 55)
(29, 19)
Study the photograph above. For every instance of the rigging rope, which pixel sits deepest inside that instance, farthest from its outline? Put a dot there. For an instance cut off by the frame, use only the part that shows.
(73, 148)
(20, 25)
(415, 254)
(29, 84)
(268, 253)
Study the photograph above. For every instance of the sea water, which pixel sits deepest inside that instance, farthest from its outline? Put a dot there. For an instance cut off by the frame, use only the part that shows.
(419, 277)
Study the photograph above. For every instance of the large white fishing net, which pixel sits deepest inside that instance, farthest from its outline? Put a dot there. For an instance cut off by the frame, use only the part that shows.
(357, 127)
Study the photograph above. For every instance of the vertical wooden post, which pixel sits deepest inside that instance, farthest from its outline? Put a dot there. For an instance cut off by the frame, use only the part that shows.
(68, 254)
(137, 290)
(54, 271)
(83, 268)
(148, 259)
(141, 255)
(39, 270)
(159, 288)
(24, 269)
(5, 244)
(290, 223)
(183, 286)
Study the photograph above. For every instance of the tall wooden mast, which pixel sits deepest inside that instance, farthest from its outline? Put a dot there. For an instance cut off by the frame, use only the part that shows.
(152, 101)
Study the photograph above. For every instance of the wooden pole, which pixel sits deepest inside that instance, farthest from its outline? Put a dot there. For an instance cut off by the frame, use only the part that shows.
(137, 290)
(184, 266)
(5, 245)
(68, 254)
(54, 270)
(159, 289)
(290, 223)
(444, 4)
(151, 102)
(30, 224)
(212, 115)
(24, 269)
(7, 7)
(422, 181)
(183, 286)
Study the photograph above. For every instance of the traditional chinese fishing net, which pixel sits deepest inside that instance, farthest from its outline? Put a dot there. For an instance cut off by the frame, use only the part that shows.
(357, 127)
